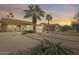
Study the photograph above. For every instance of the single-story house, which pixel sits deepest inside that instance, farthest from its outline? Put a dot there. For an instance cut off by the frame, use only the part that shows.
(51, 27)
(15, 25)
(9, 24)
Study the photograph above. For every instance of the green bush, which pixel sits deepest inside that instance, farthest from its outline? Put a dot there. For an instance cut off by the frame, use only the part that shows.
(75, 26)
(48, 48)
(0, 31)
(27, 31)
(66, 28)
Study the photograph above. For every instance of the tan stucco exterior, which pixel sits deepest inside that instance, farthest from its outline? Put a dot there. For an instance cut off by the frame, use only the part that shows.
(13, 25)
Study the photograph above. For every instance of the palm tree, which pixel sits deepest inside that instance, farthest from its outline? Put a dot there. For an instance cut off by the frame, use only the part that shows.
(7, 16)
(36, 13)
(48, 17)
(10, 15)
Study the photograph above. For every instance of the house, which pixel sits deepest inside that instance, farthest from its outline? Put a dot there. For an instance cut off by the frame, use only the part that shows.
(15, 25)
(51, 27)
(9, 24)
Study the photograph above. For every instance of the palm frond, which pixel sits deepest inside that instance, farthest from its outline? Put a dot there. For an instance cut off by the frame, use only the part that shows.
(48, 17)
(48, 48)
(38, 18)
(27, 16)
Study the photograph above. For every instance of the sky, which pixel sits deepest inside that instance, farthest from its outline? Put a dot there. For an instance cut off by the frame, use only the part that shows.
(58, 11)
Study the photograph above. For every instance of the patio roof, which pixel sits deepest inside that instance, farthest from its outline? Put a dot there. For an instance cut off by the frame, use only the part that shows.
(15, 21)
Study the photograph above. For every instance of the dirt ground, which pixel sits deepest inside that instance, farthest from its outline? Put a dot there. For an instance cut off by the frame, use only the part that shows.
(12, 41)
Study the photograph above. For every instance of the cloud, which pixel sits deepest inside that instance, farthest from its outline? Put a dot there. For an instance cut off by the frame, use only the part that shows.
(67, 14)
(14, 6)
(64, 16)
(49, 10)
(3, 13)
(71, 7)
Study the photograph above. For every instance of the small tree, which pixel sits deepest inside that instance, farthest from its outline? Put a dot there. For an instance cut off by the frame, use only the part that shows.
(10, 15)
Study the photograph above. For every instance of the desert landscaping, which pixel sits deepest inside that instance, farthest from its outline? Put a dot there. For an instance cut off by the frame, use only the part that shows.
(14, 41)
(34, 31)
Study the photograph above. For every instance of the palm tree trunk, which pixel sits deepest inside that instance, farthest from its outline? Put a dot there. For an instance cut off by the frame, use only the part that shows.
(48, 27)
(34, 28)
(34, 24)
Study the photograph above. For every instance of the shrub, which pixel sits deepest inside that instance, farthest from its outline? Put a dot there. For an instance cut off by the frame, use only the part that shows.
(66, 28)
(75, 26)
(1, 30)
(27, 31)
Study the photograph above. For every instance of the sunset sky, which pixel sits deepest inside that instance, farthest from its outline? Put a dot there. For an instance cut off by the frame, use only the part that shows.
(58, 11)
